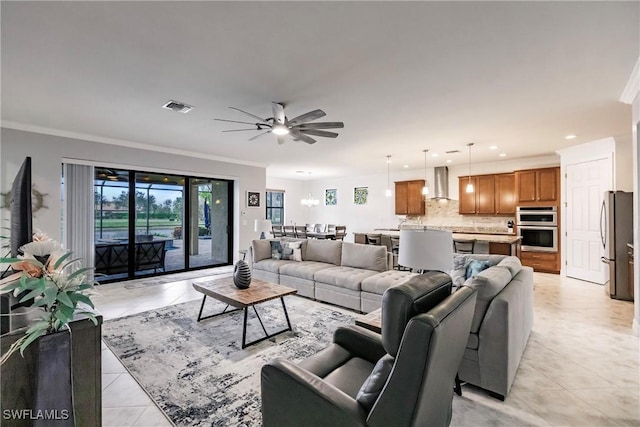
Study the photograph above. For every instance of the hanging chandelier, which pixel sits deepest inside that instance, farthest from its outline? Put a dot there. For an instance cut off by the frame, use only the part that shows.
(388, 192)
(469, 184)
(425, 189)
(310, 202)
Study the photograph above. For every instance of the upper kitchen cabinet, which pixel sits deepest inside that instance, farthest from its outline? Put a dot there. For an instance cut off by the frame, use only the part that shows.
(506, 194)
(538, 186)
(492, 195)
(409, 199)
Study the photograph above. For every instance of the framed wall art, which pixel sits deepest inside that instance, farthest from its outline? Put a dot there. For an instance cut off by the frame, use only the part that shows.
(360, 195)
(253, 199)
(331, 197)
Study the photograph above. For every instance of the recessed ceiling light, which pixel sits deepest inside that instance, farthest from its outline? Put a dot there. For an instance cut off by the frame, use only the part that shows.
(571, 136)
(178, 107)
(405, 166)
(493, 147)
(449, 160)
(502, 154)
(299, 171)
(434, 154)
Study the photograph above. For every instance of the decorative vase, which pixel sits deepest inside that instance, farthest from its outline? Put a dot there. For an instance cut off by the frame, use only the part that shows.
(241, 275)
(53, 394)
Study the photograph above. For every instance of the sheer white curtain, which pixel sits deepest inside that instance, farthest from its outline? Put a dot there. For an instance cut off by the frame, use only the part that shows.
(79, 212)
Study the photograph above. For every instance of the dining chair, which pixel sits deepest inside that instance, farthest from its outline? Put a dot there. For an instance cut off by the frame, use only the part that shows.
(289, 231)
(341, 232)
(301, 231)
(331, 228)
(320, 228)
(277, 231)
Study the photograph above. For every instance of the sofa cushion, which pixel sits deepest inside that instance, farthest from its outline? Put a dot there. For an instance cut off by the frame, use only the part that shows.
(512, 263)
(286, 250)
(344, 277)
(382, 281)
(329, 251)
(368, 257)
(271, 265)
(488, 284)
(304, 270)
(261, 249)
(461, 262)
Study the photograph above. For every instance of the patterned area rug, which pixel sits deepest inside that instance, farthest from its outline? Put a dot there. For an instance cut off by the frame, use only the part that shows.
(197, 373)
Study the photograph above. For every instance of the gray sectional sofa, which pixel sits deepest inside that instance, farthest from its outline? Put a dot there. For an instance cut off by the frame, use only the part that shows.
(348, 274)
(502, 320)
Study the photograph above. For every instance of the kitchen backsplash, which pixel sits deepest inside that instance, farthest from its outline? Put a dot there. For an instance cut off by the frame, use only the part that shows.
(444, 213)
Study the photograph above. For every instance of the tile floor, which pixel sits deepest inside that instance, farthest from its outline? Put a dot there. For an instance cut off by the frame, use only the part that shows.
(581, 366)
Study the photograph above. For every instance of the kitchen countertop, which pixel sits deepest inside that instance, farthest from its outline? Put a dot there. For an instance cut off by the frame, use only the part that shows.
(490, 238)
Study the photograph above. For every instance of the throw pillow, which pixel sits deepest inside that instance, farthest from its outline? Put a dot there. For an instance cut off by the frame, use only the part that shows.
(372, 387)
(296, 247)
(276, 250)
(476, 267)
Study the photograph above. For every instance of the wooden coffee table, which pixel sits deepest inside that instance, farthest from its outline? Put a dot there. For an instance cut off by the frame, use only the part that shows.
(225, 291)
(371, 321)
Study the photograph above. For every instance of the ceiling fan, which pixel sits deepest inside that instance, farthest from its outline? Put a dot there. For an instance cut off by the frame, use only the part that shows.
(299, 127)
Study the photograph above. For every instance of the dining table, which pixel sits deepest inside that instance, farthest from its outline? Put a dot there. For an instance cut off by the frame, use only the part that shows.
(321, 235)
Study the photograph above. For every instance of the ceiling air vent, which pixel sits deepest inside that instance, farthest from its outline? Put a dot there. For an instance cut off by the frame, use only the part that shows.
(178, 107)
(452, 152)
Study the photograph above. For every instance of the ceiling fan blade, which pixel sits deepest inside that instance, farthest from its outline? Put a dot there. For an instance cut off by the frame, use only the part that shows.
(302, 137)
(259, 135)
(249, 114)
(236, 121)
(318, 132)
(278, 112)
(320, 125)
(307, 117)
(281, 139)
(240, 130)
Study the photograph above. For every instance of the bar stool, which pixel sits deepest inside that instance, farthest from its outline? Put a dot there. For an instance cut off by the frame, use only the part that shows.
(373, 239)
(464, 246)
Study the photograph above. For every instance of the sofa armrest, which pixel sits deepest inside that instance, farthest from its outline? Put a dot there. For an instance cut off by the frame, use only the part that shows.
(291, 396)
(504, 333)
(360, 342)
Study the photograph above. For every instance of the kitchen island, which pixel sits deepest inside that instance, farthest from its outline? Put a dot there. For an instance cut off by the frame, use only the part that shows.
(493, 243)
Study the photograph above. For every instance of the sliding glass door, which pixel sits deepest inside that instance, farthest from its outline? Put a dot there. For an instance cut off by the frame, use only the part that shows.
(153, 223)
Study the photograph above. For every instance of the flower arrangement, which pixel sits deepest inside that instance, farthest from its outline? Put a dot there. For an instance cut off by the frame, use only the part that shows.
(47, 279)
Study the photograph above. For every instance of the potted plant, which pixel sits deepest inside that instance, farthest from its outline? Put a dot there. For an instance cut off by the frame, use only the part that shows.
(49, 281)
(47, 276)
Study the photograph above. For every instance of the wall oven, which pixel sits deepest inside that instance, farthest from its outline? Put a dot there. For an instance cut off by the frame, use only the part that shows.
(541, 239)
(537, 215)
(538, 227)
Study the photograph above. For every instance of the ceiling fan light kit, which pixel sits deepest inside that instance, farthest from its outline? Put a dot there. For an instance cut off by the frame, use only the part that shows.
(299, 127)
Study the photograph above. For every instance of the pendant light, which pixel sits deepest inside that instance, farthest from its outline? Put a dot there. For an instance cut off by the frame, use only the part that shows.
(470, 185)
(388, 192)
(425, 189)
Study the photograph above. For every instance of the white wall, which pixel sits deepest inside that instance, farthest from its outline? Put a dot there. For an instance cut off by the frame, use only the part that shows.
(636, 207)
(47, 153)
(624, 164)
(379, 211)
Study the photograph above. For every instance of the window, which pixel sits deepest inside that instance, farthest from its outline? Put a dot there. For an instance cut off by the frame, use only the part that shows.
(275, 207)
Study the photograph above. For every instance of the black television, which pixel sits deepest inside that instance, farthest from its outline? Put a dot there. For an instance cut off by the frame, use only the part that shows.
(21, 215)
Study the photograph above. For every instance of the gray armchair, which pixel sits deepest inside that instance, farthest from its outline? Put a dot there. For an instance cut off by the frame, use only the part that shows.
(403, 377)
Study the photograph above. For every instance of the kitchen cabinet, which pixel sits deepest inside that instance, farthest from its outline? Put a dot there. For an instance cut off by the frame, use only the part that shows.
(493, 194)
(505, 194)
(536, 187)
(548, 262)
(409, 199)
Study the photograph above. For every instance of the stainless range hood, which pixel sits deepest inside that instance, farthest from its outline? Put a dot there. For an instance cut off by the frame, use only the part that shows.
(441, 183)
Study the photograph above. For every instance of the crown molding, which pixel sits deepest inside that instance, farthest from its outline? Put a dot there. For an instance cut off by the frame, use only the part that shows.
(122, 143)
(633, 85)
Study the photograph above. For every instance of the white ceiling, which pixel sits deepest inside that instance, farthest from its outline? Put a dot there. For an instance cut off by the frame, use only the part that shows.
(401, 76)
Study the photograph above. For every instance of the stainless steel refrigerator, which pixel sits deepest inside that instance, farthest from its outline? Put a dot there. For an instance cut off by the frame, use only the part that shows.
(616, 230)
